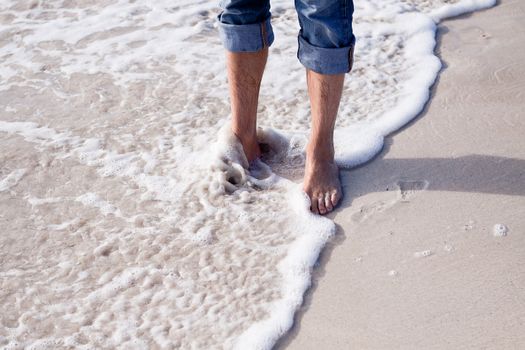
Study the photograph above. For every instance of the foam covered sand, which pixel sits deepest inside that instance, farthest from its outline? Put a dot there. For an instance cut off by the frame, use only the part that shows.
(128, 219)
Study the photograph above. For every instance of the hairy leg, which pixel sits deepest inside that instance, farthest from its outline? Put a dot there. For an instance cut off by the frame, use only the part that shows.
(321, 181)
(245, 71)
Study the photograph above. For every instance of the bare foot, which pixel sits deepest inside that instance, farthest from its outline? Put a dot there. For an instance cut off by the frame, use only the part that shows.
(251, 147)
(321, 183)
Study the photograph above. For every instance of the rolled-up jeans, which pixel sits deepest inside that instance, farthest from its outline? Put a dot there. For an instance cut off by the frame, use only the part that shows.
(326, 41)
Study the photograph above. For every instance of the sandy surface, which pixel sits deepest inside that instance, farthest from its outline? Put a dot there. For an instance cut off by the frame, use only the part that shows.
(120, 229)
(416, 264)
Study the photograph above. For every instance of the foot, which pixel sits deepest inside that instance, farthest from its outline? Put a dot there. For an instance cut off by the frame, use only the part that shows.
(321, 183)
(250, 145)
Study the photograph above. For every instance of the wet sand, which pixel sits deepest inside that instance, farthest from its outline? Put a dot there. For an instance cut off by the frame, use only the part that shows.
(417, 263)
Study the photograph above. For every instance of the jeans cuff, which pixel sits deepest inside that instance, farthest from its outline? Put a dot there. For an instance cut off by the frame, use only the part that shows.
(326, 60)
(246, 37)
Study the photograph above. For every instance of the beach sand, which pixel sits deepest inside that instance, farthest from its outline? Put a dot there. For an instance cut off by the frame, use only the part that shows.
(128, 221)
(418, 262)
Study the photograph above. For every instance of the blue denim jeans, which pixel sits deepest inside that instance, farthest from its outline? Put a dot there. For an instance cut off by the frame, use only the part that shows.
(326, 40)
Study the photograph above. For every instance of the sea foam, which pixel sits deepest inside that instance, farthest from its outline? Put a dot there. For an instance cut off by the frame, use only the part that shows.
(130, 216)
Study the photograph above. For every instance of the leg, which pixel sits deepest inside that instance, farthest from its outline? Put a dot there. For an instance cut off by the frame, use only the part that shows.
(245, 71)
(246, 34)
(321, 181)
(326, 50)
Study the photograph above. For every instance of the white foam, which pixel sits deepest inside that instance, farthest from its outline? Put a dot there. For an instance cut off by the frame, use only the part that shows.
(11, 179)
(93, 200)
(459, 8)
(39, 201)
(296, 273)
(193, 249)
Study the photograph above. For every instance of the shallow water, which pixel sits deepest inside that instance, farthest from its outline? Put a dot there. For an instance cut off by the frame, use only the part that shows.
(127, 217)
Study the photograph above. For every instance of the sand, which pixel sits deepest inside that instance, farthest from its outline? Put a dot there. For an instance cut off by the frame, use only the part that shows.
(120, 229)
(417, 262)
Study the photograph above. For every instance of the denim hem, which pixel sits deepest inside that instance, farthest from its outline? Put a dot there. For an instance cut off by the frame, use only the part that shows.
(326, 60)
(246, 37)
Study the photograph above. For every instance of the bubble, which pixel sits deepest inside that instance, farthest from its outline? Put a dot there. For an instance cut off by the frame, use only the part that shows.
(423, 254)
(500, 230)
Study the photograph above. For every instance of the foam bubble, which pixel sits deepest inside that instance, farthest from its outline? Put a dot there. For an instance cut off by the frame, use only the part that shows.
(423, 253)
(500, 230)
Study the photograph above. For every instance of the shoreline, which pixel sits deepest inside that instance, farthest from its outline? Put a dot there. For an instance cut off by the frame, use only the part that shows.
(420, 171)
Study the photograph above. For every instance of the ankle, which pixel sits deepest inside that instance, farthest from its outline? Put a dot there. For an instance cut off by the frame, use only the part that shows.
(320, 152)
(245, 136)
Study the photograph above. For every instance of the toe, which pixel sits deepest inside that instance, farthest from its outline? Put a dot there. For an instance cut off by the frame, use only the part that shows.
(313, 205)
(328, 202)
(320, 201)
(335, 197)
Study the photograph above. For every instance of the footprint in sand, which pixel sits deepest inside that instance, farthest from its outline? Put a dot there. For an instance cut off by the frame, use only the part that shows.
(409, 189)
(367, 210)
